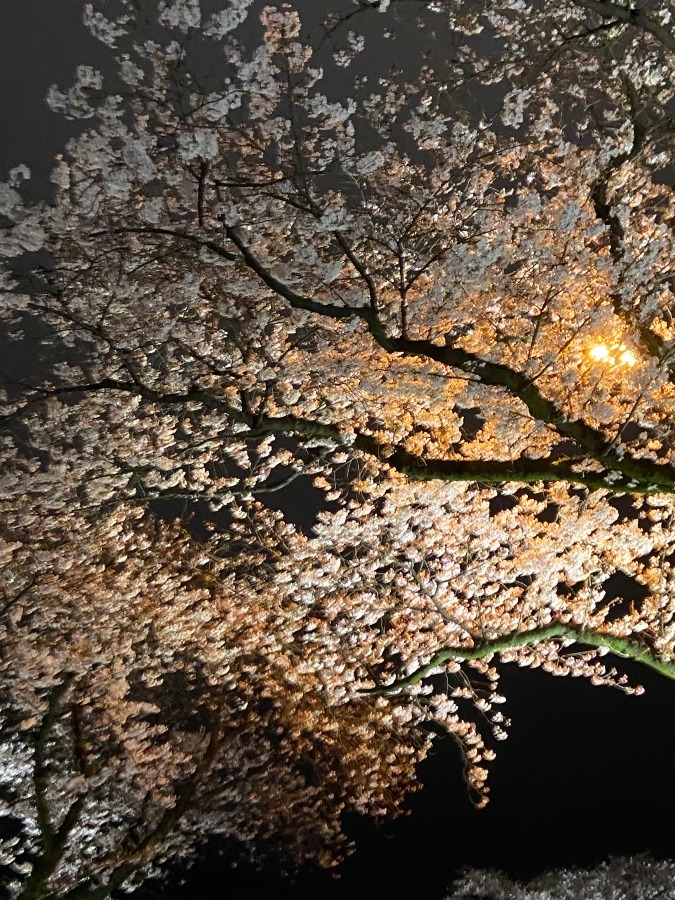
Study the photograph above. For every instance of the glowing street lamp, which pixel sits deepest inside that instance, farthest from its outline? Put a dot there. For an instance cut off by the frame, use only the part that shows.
(599, 353)
(618, 355)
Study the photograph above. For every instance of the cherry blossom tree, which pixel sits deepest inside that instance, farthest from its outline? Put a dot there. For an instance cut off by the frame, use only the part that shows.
(638, 877)
(455, 325)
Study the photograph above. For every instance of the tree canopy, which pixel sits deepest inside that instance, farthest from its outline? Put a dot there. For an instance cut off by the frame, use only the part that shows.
(414, 263)
(640, 877)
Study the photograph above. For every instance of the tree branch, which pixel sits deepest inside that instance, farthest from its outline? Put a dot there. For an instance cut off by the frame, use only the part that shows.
(635, 473)
(612, 472)
(297, 301)
(622, 646)
(631, 15)
(185, 794)
(152, 230)
(52, 841)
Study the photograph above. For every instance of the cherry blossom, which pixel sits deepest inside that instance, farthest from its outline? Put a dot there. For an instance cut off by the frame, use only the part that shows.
(639, 877)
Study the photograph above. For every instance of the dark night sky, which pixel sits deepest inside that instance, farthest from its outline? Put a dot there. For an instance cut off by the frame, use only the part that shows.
(586, 772)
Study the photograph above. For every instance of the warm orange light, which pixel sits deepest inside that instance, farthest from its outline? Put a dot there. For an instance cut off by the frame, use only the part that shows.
(599, 352)
(616, 355)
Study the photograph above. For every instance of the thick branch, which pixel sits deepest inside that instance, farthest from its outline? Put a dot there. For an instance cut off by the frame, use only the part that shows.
(635, 473)
(297, 301)
(488, 373)
(618, 475)
(52, 840)
(622, 646)
(644, 476)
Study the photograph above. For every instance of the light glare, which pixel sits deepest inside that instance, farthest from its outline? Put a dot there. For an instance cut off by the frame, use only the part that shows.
(617, 355)
(599, 352)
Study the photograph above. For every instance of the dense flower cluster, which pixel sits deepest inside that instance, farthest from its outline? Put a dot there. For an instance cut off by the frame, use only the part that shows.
(639, 878)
